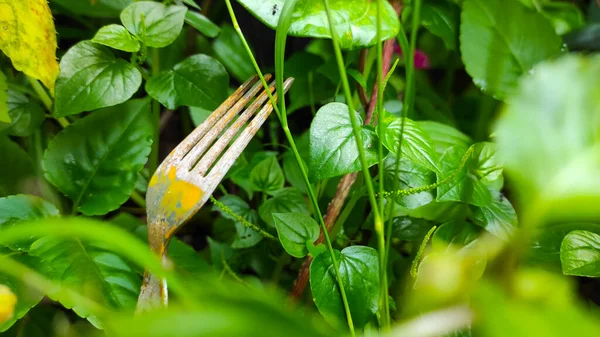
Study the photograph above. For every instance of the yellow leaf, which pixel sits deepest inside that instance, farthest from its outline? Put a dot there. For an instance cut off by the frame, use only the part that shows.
(28, 38)
(8, 300)
(4, 116)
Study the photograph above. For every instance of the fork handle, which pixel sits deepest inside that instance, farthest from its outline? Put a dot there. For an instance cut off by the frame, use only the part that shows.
(153, 294)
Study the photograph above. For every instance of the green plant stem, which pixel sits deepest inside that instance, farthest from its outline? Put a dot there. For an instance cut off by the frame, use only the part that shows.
(153, 159)
(290, 139)
(138, 199)
(356, 129)
(408, 105)
(46, 100)
(384, 308)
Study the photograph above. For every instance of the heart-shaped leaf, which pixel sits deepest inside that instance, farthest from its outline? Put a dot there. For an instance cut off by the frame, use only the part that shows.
(97, 166)
(295, 230)
(198, 81)
(333, 151)
(91, 78)
(153, 23)
(500, 40)
(580, 254)
(355, 21)
(117, 37)
(359, 269)
(471, 183)
(498, 218)
(544, 249)
(19, 208)
(285, 200)
(416, 144)
(409, 175)
(267, 176)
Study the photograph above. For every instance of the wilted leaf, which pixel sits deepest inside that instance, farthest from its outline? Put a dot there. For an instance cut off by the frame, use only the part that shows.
(28, 38)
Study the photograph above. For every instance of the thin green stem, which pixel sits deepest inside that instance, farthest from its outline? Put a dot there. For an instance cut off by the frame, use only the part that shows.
(408, 105)
(384, 307)
(138, 199)
(290, 139)
(45, 98)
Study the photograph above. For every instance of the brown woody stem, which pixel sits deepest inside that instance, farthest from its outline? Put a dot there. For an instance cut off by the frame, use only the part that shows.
(345, 185)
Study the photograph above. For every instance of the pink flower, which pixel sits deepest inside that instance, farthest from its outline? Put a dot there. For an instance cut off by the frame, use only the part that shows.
(421, 59)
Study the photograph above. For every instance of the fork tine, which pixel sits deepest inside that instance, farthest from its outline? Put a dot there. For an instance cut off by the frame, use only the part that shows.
(209, 158)
(224, 164)
(188, 143)
(207, 136)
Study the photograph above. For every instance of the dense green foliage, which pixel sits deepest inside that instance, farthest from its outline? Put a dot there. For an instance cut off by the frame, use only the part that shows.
(450, 147)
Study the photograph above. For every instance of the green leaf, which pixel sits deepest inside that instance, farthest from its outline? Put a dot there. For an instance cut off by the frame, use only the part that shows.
(544, 249)
(246, 237)
(556, 163)
(228, 310)
(471, 183)
(202, 24)
(91, 77)
(97, 8)
(117, 37)
(267, 176)
(409, 175)
(502, 40)
(564, 16)
(410, 229)
(333, 151)
(16, 169)
(191, 3)
(294, 231)
(285, 200)
(457, 233)
(533, 317)
(359, 269)
(416, 144)
(444, 136)
(97, 166)
(4, 116)
(27, 296)
(441, 18)
(498, 218)
(26, 115)
(355, 21)
(199, 81)
(19, 208)
(154, 23)
(89, 270)
(310, 85)
(229, 50)
(199, 115)
(580, 254)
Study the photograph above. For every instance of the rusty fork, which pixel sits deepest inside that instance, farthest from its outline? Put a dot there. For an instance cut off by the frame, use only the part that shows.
(188, 176)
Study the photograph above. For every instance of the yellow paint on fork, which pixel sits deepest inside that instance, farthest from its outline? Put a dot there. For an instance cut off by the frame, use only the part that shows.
(181, 196)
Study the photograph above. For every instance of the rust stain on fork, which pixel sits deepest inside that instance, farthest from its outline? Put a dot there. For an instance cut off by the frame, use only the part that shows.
(183, 182)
